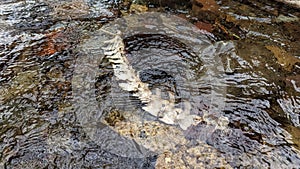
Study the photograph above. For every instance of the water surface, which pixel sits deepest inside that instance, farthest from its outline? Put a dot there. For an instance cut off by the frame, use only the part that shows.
(257, 45)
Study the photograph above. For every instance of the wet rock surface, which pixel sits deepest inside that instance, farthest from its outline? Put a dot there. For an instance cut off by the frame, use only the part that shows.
(40, 129)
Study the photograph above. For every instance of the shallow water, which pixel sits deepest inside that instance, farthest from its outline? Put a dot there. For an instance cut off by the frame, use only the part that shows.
(246, 92)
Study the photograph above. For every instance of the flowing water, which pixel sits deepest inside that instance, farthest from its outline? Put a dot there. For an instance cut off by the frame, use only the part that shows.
(231, 75)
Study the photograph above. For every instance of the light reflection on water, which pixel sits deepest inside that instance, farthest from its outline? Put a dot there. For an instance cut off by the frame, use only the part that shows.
(39, 127)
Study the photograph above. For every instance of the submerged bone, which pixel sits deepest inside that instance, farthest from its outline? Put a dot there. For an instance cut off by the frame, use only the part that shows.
(165, 110)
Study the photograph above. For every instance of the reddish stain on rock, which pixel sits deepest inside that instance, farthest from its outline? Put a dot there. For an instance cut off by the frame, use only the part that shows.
(204, 26)
(55, 41)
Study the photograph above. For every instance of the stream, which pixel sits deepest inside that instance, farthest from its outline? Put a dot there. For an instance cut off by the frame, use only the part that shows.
(149, 84)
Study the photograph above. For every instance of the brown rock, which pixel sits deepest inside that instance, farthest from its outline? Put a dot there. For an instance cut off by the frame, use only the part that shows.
(168, 3)
(283, 57)
(205, 9)
(135, 8)
(206, 5)
(70, 9)
(205, 26)
(293, 81)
